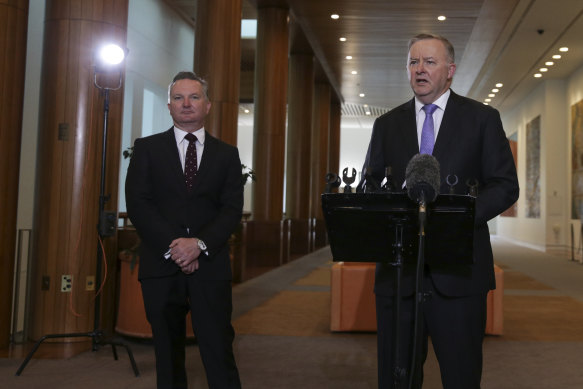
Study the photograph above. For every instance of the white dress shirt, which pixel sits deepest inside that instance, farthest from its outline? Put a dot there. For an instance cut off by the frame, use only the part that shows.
(182, 144)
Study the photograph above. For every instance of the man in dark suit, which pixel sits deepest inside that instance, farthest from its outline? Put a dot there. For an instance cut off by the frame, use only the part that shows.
(468, 141)
(184, 195)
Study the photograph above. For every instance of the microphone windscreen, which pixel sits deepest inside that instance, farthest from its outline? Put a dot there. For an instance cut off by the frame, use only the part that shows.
(422, 178)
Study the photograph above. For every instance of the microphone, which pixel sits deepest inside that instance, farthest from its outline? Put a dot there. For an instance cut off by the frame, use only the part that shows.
(422, 178)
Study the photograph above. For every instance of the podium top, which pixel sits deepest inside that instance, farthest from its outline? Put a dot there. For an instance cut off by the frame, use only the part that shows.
(364, 227)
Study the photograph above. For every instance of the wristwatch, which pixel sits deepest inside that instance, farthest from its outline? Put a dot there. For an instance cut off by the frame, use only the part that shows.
(202, 247)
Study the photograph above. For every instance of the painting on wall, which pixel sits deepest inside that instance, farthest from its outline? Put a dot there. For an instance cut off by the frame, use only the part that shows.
(577, 160)
(513, 141)
(533, 168)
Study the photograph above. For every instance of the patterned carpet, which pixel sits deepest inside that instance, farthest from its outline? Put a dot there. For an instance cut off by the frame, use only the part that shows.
(282, 321)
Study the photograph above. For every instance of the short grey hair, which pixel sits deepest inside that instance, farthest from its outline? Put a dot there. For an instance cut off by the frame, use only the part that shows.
(446, 43)
(189, 76)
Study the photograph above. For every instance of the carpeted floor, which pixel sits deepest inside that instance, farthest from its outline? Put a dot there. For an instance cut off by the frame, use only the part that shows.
(282, 320)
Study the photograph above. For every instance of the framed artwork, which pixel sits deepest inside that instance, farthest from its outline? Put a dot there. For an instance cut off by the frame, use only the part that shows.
(513, 141)
(577, 160)
(532, 192)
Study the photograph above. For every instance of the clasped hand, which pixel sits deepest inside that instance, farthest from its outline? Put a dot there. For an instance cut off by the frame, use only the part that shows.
(185, 252)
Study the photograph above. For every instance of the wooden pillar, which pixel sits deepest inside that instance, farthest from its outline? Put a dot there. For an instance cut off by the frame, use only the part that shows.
(334, 150)
(320, 158)
(301, 91)
(65, 235)
(13, 19)
(217, 58)
(320, 144)
(270, 95)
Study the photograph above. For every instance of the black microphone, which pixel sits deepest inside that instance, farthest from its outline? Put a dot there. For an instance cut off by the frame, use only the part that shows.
(422, 178)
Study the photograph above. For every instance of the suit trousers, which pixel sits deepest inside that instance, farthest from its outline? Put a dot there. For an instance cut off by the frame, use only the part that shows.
(456, 326)
(167, 301)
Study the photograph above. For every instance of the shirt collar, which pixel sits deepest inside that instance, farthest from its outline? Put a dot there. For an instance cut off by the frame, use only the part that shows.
(441, 101)
(180, 134)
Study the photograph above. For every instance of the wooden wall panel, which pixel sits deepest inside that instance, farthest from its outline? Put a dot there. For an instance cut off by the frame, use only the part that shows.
(69, 165)
(301, 92)
(270, 96)
(334, 148)
(13, 27)
(320, 142)
(217, 58)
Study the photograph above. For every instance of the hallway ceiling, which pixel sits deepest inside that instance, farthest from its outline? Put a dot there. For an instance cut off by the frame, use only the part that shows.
(496, 41)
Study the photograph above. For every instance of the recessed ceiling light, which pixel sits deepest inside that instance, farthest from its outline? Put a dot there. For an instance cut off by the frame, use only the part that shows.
(491, 95)
(354, 72)
(538, 75)
(499, 85)
(367, 112)
(349, 57)
(543, 70)
(342, 39)
(549, 63)
(556, 56)
(441, 18)
(361, 95)
(486, 104)
(246, 111)
(495, 90)
(335, 16)
(564, 49)
(487, 100)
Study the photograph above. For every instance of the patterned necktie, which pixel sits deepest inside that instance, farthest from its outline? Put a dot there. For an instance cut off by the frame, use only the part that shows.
(190, 166)
(428, 132)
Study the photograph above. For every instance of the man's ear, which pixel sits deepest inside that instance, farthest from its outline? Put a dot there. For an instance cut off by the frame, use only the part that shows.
(451, 70)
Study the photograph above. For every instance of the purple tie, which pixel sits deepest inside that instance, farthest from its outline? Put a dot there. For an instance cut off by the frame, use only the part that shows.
(190, 161)
(428, 132)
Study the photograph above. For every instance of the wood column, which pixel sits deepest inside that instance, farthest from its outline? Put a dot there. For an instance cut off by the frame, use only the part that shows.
(301, 92)
(13, 19)
(320, 145)
(334, 151)
(217, 58)
(320, 159)
(68, 173)
(270, 95)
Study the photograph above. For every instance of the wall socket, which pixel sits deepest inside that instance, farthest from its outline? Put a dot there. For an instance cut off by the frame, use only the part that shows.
(90, 283)
(66, 283)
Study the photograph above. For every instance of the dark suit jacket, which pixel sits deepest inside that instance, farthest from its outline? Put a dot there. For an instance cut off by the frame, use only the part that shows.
(471, 144)
(162, 210)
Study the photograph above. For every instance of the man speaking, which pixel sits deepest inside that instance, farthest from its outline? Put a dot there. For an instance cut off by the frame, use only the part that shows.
(467, 139)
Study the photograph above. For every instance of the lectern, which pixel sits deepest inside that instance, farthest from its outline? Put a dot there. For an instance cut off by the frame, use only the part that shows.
(384, 227)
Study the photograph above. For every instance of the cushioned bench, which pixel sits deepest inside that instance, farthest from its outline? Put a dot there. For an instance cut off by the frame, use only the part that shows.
(353, 301)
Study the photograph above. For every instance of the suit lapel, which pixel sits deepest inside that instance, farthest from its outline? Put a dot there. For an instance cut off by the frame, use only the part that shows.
(172, 158)
(408, 128)
(449, 128)
(206, 162)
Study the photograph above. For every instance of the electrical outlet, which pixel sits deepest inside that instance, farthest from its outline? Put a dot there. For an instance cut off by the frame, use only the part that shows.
(66, 283)
(46, 283)
(90, 283)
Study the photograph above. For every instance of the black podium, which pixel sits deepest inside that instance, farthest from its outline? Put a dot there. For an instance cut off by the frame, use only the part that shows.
(385, 227)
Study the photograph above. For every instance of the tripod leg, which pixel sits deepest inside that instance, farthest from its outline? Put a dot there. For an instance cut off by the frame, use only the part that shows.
(29, 356)
(114, 350)
(132, 360)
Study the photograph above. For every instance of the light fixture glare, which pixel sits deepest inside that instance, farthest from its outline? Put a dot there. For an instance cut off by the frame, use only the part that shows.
(499, 85)
(335, 16)
(111, 54)
(564, 49)
(556, 56)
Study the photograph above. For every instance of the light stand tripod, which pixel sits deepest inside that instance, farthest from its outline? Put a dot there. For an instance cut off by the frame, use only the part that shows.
(106, 227)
